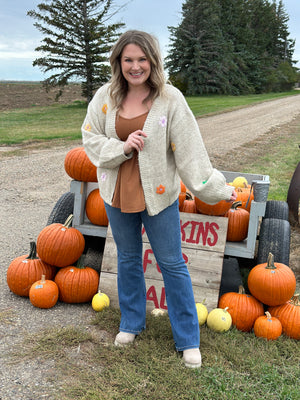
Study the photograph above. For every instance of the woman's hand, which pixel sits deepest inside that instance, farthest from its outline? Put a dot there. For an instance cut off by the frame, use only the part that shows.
(233, 196)
(134, 141)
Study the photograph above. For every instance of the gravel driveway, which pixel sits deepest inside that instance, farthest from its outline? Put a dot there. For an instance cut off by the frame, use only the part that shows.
(31, 183)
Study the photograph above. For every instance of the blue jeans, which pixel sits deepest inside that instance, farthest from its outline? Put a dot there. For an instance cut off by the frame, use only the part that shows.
(163, 231)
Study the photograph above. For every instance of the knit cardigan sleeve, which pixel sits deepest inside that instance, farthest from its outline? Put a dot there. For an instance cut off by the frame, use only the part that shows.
(102, 145)
(191, 158)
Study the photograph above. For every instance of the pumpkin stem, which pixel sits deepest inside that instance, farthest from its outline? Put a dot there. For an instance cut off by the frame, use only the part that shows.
(295, 300)
(236, 204)
(43, 280)
(188, 196)
(270, 262)
(80, 262)
(32, 254)
(68, 222)
(241, 289)
(268, 315)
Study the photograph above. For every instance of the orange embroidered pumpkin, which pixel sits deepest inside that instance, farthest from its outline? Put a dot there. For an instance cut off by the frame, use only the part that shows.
(79, 167)
(23, 271)
(267, 327)
(238, 222)
(289, 316)
(272, 283)
(77, 284)
(243, 308)
(60, 244)
(43, 293)
(95, 209)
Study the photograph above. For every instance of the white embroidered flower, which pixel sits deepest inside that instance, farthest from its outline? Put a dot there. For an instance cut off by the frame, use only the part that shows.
(103, 177)
(163, 121)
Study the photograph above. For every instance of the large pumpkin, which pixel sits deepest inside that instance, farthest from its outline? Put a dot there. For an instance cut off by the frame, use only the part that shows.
(219, 208)
(77, 284)
(95, 209)
(79, 167)
(289, 316)
(27, 269)
(59, 244)
(238, 222)
(243, 308)
(43, 293)
(272, 283)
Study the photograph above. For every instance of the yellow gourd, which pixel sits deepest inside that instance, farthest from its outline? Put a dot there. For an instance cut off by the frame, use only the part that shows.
(219, 320)
(239, 182)
(100, 301)
(201, 312)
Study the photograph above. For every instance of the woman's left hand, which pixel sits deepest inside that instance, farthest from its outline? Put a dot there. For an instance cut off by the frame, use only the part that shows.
(233, 196)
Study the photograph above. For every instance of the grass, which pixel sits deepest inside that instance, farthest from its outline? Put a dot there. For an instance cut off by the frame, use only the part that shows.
(236, 365)
(64, 121)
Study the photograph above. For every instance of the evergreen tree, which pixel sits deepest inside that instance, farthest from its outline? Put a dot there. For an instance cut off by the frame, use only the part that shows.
(76, 43)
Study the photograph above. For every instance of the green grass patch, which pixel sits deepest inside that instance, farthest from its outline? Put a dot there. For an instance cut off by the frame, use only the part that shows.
(236, 365)
(42, 123)
(211, 104)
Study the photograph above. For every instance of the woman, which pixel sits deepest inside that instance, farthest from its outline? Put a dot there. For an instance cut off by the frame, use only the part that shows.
(141, 134)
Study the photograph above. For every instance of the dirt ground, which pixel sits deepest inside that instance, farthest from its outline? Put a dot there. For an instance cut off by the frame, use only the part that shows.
(33, 178)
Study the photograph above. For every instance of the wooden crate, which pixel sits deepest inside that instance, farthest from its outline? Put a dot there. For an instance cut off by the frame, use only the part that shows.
(203, 244)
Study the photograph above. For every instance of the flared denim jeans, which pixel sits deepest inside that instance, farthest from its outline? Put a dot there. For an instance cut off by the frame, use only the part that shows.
(163, 231)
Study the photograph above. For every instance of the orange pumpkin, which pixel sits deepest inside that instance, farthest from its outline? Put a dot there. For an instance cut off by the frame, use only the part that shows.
(243, 308)
(189, 205)
(27, 269)
(217, 209)
(182, 194)
(289, 316)
(95, 209)
(43, 293)
(77, 284)
(245, 196)
(79, 167)
(272, 283)
(267, 327)
(60, 244)
(238, 222)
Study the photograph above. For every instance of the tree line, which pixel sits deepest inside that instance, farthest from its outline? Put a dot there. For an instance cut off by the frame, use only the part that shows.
(220, 46)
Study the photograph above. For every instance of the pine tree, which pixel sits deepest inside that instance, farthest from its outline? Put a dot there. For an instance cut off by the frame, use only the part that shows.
(76, 43)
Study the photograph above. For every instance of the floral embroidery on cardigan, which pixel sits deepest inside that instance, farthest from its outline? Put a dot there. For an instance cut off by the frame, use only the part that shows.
(104, 108)
(173, 146)
(160, 189)
(163, 121)
(88, 127)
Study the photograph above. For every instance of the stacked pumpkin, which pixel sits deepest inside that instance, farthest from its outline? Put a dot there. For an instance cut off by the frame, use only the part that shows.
(238, 213)
(79, 167)
(271, 285)
(58, 246)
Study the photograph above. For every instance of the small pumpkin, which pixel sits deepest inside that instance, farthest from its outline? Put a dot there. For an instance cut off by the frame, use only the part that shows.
(245, 196)
(23, 271)
(243, 308)
(182, 194)
(43, 293)
(189, 205)
(60, 244)
(219, 320)
(77, 284)
(238, 222)
(267, 327)
(95, 209)
(272, 283)
(202, 313)
(289, 316)
(79, 167)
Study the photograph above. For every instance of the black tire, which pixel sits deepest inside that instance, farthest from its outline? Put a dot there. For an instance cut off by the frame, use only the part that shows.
(274, 237)
(277, 209)
(62, 209)
(231, 276)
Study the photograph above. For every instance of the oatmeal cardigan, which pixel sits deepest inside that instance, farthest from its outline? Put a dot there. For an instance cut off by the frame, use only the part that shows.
(173, 150)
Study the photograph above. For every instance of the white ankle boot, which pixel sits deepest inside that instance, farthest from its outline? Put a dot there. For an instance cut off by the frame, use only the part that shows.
(124, 338)
(192, 358)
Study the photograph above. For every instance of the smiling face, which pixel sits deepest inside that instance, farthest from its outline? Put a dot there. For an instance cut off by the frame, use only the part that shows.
(135, 66)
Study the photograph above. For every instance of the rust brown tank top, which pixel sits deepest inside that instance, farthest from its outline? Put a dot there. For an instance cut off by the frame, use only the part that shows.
(129, 194)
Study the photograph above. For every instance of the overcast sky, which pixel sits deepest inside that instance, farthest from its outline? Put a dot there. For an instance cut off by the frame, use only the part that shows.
(19, 38)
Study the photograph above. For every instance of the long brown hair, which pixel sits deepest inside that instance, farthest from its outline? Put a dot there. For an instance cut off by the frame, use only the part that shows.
(150, 47)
